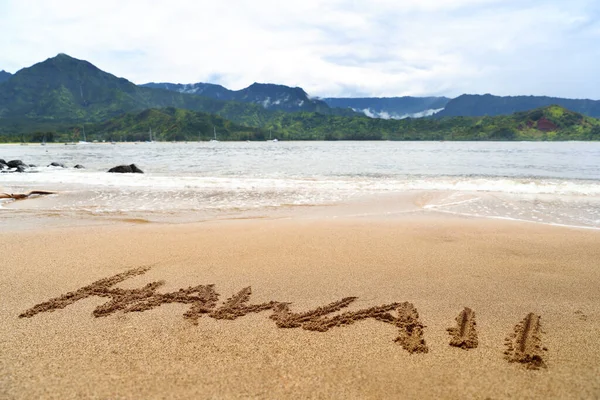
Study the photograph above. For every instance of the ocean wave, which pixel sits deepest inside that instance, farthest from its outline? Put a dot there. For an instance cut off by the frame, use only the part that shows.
(374, 183)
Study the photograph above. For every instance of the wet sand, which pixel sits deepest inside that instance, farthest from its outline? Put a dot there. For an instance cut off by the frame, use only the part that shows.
(351, 307)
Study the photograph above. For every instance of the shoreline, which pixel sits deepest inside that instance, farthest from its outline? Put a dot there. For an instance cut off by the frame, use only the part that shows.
(310, 140)
(440, 264)
(38, 212)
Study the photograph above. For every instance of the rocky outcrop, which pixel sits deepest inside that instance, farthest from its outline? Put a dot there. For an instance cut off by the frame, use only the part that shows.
(20, 166)
(126, 169)
(5, 170)
(13, 166)
(16, 163)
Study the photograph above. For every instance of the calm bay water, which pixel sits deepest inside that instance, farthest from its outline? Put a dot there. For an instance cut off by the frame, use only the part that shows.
(556, 183)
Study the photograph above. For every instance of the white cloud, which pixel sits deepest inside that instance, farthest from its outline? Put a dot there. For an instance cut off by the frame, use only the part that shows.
(330, 48)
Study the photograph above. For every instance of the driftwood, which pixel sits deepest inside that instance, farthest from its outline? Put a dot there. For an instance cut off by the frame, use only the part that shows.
(21, 196)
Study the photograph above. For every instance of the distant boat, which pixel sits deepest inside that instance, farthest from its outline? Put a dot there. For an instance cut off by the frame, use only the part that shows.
(44, 141)
(150, 134)
(272, 140)
(84, 141)
(214, 139)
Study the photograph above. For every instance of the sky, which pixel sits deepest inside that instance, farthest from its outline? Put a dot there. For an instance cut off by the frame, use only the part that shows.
(331, 48)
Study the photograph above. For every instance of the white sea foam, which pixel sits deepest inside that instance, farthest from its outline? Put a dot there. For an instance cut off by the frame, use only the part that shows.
(69, 180)
(366, 185)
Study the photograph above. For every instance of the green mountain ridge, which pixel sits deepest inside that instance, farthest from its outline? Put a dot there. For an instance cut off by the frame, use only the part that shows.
(66, 89)
(546, 123)
(58, 96)
(63, 89)
(489, 105)
(390, 107)
(171, 124)
(268, 95)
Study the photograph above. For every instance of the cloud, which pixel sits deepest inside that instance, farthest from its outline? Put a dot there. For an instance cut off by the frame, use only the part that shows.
(330, 48)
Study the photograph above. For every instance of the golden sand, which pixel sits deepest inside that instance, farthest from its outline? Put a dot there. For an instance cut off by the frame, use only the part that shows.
(353, 307)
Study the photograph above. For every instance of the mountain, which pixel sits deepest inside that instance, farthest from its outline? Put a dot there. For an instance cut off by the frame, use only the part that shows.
(269, 96)
(391, 107)
(284, 98)
(487, 104)
(60, 94)
(4, 76)
(547, 123)
(64, 88)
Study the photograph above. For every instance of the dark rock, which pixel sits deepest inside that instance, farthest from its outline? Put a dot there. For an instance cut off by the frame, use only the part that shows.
(20, 168)
(57, 164)
(2, 161)
(2, 166)
(79, 166)
(16, 163)
(32, 166)
(124, 169)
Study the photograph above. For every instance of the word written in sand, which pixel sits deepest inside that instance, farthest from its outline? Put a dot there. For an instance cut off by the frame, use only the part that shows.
(203, 299)
(524, 345)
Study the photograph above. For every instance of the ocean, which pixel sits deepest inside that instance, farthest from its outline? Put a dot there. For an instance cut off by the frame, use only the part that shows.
(544, 182)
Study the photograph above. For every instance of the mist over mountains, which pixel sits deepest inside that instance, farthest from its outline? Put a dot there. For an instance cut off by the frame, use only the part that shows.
(391, 107)
(288, 99)
(270, 96)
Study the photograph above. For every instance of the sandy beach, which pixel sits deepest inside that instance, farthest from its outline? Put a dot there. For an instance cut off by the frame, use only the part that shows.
(394, 286)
